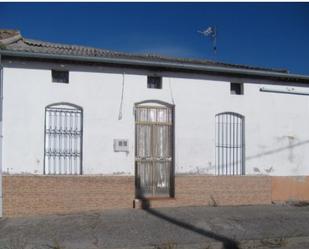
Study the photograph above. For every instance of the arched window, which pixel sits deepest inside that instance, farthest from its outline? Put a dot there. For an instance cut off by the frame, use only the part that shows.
(230, 144)
(63, 139)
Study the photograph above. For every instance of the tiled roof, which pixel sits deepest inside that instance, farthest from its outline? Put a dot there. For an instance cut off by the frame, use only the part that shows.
(11, 40)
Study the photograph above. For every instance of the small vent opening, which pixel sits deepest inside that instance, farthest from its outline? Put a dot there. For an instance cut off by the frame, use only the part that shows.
(237, 88)
(60, 76)
(154, 82)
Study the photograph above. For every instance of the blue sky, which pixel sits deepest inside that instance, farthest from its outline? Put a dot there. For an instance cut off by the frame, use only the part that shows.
(262, 34)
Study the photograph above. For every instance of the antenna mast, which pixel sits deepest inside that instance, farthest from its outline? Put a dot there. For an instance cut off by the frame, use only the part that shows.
(212, 33)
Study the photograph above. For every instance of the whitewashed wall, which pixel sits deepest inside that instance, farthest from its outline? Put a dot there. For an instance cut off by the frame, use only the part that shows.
(276, 125)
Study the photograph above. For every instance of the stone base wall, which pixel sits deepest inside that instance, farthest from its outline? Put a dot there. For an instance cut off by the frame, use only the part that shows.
(39, 195)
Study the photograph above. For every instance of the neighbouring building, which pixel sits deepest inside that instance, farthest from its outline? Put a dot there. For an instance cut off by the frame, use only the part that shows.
(91, 129)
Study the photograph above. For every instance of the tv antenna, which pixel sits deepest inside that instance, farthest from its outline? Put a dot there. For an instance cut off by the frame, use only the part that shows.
(212, 33)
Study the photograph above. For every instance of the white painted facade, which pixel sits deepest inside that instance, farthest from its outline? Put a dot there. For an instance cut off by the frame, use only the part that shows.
(276, 125)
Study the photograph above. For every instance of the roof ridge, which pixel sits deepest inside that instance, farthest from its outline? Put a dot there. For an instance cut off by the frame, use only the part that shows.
(8, 36)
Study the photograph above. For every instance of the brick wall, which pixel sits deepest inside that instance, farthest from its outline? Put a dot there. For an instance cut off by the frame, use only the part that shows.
(219, 190)
(34, 195)
(31, 195)
(290, 188)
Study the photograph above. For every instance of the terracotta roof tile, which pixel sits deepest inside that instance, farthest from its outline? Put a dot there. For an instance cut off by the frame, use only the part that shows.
(13, 41)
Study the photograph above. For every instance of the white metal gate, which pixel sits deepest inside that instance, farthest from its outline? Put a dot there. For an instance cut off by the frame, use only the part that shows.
(154, 150)
(230, 156)
(63, 139)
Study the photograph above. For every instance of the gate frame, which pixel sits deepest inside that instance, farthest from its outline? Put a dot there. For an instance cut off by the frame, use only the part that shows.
(81, 129)
(172, 170)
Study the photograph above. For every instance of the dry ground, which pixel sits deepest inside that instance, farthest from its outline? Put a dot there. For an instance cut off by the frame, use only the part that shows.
(166, 228)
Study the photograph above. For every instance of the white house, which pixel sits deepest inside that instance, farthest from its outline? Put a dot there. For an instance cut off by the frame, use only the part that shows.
(88, 129)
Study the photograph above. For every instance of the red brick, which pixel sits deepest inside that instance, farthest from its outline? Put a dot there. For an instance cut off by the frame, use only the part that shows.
(33, 195)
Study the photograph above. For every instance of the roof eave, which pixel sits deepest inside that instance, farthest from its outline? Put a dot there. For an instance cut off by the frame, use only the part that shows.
(171, 65)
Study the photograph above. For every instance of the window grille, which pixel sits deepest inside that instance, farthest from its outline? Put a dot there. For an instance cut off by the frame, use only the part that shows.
(63, 139)
(230, 144)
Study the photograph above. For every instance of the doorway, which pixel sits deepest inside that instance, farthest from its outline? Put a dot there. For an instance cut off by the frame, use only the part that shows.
(154, 149)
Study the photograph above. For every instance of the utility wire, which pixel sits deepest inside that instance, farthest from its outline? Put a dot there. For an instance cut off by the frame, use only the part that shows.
(121, 100)
(171, 91)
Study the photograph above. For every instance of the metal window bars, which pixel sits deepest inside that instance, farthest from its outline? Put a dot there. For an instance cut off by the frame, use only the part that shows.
(230, 144)
(63, 139)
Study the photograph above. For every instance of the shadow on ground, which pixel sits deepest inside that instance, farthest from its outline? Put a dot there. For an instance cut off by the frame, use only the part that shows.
(227, 242)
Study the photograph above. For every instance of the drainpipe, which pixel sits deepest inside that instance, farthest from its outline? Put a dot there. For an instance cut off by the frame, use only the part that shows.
(1, 136)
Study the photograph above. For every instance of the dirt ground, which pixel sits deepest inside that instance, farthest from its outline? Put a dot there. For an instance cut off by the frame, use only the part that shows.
(242, 227)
